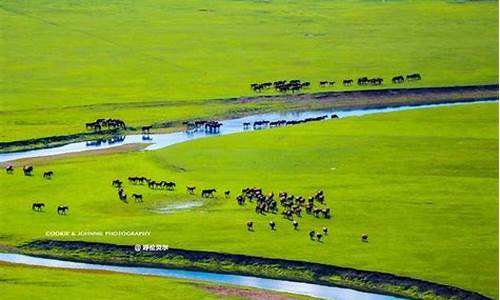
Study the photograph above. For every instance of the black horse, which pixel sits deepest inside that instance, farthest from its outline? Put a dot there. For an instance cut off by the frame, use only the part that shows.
(190, 189)
(48, 174)
(28, 170)
(146, 129)
(412, 77)
(398, 79)
(137, 197)
(250, 226)
(37, 206)
(62, 209)
(227, 194)
(208, 193)
(9, 169)
(347, 82)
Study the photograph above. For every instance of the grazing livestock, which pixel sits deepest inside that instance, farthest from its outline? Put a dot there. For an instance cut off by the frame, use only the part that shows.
(190, 189)
(28, 170)
(312, 234)
(146, 129)
(250, 226)
(364, 237)
(398, 79)
(122, 196)
(48, 174)
(272, 225)
(212, 127)
(208, 193)
(137, 197)
(37, 206)
(347, 82)
(117, 183)
(325, 230)
(108, 123)
(227, 194)
(9, 169)
(412, 77)
(246, 125)
(334, 116)
(240, 199)
(62, 209)
(295, 225)
(319, 236)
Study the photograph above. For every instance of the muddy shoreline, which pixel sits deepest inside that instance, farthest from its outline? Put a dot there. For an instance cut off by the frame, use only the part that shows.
(345, 100)
(125, 255)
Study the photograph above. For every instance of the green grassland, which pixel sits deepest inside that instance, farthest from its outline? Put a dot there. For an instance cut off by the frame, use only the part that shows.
(65, 63)
(423, 185)
(23, 282)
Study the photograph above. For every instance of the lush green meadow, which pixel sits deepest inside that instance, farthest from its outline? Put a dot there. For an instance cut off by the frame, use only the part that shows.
(68, 62)
(423, 185)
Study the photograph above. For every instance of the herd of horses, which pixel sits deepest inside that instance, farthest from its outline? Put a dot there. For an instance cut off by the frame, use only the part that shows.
(278, 123)
(295, 85)
(291, 206)
(157, 185)
(99, 124)
(38, 206)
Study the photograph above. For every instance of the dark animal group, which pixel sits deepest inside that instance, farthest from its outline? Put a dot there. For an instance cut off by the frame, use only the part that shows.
(38, 206)
(207, 126)
(61, 209)
(284, 86)
(271, 124)
(28, 171)
(291, 206)
(99, 124)
(281, 86)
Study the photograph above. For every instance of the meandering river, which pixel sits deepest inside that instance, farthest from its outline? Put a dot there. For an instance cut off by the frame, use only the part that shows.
(298, 288)
(231, 126)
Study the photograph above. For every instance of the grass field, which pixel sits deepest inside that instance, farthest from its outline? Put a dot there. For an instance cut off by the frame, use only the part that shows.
(23, 282)
(65, 63)
(423, 185)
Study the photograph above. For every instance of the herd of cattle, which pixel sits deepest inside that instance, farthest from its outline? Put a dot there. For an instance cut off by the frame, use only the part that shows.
(99, 124)
(38, 206)
(295, 85)
(291, 206)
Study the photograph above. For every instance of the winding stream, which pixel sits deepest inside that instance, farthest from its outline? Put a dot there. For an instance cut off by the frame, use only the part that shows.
(298, 288)
(231, 126)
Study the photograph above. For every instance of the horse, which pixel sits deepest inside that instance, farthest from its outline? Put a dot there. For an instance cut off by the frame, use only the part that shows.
(412, 77)
(398, 79)
(37, 206)
(170, 185)
(48, 174)
(295, 225)
(364, 237)
(137, 197)
(208, 193)
(325, 230)
(190, 189)
(62, 209)
(250, 226)
(227, 193)
(122, 196)
(347, 82)
(319, 236)
(116, 183)
(27, 170)
(146, 129)
(9, 169)
(312, 234)
(272, 225)
(334, 116)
